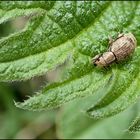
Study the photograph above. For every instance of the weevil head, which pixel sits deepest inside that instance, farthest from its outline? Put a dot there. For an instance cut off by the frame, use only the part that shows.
(99, 61)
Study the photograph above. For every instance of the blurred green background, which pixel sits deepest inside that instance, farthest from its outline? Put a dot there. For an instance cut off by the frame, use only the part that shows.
(65, 122)
(18, 123)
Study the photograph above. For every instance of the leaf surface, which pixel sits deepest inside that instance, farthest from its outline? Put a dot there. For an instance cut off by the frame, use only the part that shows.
(73, 31)
(72, 124)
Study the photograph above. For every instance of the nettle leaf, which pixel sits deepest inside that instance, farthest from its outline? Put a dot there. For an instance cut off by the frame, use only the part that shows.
(77, 31)
(135, 125)
(47, 39)
(72, 124)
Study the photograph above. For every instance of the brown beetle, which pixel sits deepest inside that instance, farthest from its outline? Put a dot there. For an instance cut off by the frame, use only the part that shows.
(119, 49)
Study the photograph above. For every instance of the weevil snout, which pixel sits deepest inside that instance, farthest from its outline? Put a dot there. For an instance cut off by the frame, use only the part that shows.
(98, 60)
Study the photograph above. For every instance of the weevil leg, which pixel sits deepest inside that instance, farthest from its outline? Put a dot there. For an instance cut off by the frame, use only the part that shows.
(116, 62)
(120, 35)
(110, 40)
(106, 67)
(96, 57)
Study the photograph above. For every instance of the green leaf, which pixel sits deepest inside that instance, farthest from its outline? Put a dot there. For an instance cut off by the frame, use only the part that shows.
(74, 31)
(8, 5)
(129, 96)
(135, 125)
(72, 124)
(46, 40)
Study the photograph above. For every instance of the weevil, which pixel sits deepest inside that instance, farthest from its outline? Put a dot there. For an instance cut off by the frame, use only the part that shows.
(119, 49)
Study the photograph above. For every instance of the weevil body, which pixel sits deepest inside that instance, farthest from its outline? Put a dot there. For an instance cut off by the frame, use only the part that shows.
(119, 49)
